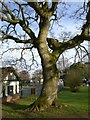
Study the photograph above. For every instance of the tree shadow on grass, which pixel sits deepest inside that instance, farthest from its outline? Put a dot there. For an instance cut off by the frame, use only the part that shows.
(16, 110)
(16, 106)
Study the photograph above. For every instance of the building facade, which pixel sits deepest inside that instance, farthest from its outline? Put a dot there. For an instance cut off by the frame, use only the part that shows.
(9, 81)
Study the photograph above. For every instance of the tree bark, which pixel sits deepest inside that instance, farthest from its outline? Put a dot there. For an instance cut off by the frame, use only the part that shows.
(50, 73)
(49, 90)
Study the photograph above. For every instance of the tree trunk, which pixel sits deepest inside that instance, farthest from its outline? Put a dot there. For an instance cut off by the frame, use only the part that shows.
(49, 90)
(50, 72)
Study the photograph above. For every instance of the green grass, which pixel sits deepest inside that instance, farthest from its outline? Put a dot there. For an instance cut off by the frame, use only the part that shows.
(75, 105)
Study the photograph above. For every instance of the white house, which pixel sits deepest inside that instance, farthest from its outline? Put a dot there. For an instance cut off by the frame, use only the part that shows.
(10, 81)
(11, 84)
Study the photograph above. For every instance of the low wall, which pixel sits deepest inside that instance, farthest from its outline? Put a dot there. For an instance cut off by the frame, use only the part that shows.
(10, 98)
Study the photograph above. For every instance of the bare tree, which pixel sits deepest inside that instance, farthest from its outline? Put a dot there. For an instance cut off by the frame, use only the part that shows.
(40, 15)
(37, 75)
(24, 75)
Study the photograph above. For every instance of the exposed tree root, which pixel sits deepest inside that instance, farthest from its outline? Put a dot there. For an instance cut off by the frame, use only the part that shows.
(36, 107)
(43, 102)
(39, 105)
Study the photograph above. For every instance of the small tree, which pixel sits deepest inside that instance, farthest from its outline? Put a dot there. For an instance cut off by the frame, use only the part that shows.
(74, 80)
(24, 75)
(37, 76)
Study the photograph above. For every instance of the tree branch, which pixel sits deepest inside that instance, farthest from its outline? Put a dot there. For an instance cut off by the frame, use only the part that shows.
(9, 20)
(54, 6)
(13, 20)
(44, 11)
(27, 30)
(22, 24)
(86, 26)
(60, 47)
(17, 40)
(8, 10)
(22, 12)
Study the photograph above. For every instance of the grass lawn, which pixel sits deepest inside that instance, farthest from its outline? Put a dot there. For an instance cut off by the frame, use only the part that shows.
(69, 105)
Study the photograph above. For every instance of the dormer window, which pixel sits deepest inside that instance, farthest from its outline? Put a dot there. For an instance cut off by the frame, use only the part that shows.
(10, 76)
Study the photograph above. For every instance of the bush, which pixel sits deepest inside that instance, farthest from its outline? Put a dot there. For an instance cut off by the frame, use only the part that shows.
(74, 80)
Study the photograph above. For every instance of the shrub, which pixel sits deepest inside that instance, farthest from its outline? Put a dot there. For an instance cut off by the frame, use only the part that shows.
(74, 80)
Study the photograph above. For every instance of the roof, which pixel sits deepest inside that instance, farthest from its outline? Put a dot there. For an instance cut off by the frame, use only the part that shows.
(4, 71)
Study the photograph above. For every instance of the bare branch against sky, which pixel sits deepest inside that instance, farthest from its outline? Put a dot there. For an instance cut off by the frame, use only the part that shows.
(66, 23)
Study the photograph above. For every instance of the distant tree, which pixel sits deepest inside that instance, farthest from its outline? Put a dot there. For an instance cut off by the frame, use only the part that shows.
(37, 76)
(63, 63)
(74, 79)
(24, 75)
(83, 68)
(74, 76)
(87, 70)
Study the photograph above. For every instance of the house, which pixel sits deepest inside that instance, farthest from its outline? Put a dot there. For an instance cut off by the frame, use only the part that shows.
(10, 81)
(13, 84)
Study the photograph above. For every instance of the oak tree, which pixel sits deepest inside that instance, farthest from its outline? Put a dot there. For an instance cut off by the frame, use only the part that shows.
(23, 14)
